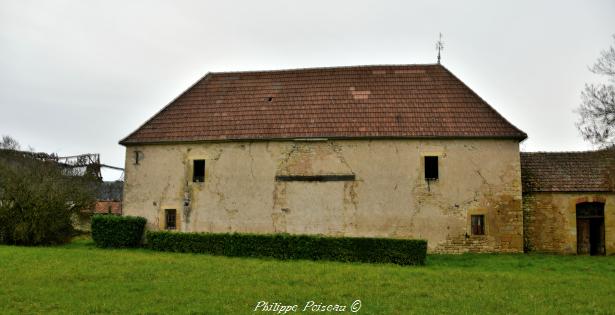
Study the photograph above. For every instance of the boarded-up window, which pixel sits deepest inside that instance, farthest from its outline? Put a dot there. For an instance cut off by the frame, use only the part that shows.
(478, 224)
(314, 178)
(431, 167)
(170, 219)
(198, 171)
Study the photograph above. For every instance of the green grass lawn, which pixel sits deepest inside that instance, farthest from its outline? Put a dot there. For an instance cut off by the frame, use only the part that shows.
(79, 278)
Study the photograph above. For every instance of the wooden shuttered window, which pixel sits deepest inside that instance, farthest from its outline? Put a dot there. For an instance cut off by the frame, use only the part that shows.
(170, 216)
(478, 224)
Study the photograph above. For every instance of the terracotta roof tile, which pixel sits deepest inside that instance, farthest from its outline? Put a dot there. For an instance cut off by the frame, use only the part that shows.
(345, 102)
(568, 171)
(104, 206)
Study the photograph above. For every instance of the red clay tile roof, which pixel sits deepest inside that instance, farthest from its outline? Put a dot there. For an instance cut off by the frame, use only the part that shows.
(408, 101)
(568, 171)
(104, 206)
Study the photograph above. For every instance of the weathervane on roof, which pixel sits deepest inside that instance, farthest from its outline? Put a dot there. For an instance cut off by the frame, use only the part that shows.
(439, 47)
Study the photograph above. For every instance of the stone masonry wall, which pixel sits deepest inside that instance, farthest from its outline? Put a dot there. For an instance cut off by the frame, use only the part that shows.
(550, 221)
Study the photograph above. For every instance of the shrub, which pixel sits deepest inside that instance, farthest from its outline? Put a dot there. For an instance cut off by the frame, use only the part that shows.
(285, 246)
(39, 198)
(117, 231)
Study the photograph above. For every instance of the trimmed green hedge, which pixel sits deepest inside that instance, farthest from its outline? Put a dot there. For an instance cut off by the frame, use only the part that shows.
(285, 246)
(117, 231)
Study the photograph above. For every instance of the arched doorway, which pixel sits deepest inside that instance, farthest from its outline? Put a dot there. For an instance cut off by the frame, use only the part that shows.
(590, 228)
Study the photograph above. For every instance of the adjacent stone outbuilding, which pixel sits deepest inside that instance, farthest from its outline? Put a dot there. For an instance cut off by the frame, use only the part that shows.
(569, 202)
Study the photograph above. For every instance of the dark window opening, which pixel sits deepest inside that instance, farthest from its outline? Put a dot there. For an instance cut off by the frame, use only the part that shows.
(478, 224)
(431, 167)
(314, 178)
(269, 99)
(198, 171)
(138, 156)
(170, 219)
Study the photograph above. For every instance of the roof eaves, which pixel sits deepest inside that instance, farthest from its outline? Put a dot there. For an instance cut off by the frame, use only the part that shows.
(155, 142)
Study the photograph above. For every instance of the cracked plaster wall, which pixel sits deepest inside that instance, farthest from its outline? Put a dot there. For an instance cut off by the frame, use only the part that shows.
(389, 198)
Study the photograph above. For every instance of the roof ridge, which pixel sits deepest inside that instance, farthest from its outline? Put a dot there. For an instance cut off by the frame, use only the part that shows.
(326, 68)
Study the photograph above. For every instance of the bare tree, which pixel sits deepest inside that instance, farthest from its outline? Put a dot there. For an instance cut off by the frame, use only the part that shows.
(597, 109)
(8, 143)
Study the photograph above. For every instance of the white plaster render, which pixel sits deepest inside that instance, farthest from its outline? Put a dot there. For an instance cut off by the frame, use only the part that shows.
(389, 198)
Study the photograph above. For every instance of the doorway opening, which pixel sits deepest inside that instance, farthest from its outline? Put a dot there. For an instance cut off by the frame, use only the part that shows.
(590, 228)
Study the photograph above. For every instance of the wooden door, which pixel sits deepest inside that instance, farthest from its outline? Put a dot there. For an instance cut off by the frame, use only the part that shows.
(583, 244)
(590, 228)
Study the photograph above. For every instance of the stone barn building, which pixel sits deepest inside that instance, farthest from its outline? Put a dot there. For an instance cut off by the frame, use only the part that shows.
(404, 151)
(569, 201)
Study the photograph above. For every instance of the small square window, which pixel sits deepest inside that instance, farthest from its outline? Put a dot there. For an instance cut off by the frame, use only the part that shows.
(198, 171)
(170, 219)
(431, 167)
(478, 224)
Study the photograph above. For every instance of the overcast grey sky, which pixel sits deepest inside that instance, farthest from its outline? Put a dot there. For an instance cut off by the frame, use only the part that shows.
(77, 76)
